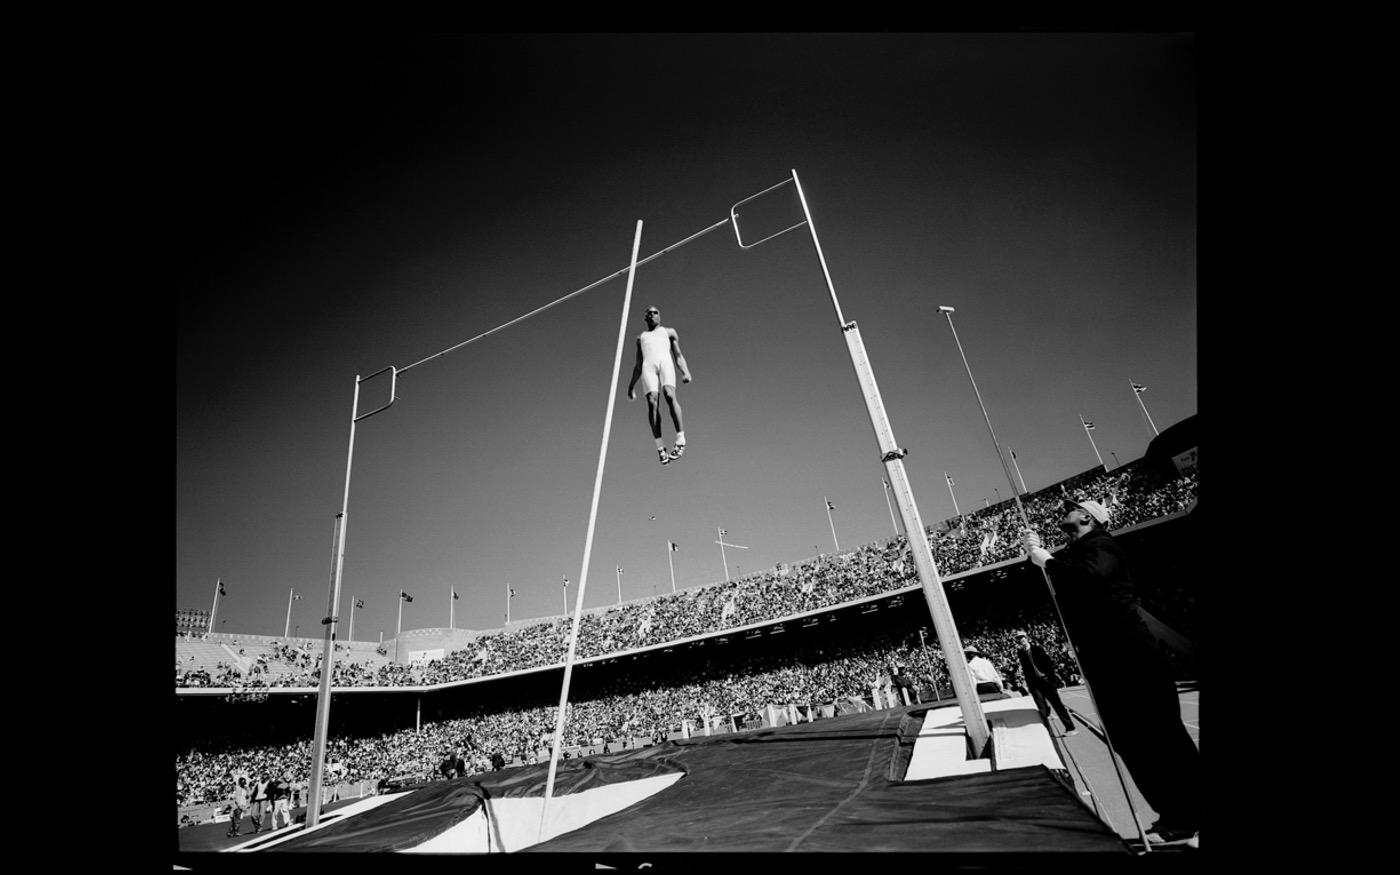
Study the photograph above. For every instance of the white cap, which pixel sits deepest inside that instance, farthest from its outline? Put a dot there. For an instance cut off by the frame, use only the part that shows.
(1092, 508)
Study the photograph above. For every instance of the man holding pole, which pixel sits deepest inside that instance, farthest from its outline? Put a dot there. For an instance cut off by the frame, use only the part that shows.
(656, 349)
(1132, 681)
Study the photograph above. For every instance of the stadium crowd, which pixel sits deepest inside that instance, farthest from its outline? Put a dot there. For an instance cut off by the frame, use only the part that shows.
(961, 544)
(819, 682)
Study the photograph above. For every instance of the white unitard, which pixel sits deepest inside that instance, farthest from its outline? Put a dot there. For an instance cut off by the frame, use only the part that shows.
(658, 369)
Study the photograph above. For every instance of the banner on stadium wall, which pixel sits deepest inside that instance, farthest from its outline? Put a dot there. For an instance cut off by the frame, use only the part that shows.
(1185, 462)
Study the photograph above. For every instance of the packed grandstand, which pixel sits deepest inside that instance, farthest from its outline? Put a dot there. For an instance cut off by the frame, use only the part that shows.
(502, 709)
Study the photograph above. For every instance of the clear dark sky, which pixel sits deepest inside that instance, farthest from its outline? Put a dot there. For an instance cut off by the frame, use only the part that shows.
(347, 204)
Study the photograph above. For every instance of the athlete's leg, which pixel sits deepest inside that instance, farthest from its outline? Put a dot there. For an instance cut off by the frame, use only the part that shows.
(654, 415)
(670, 393)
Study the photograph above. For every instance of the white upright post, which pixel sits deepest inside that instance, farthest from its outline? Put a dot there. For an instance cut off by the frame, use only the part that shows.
(286, 627)
(588, 542)
(670, 548)
(351, 636)
(892, 457)
(951, 495)
(720, 533)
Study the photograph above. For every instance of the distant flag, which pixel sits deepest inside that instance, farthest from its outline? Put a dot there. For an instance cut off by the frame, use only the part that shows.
(723, 532)
(1138, 387)
(566, 581)
(619, 569)
(949, 479)
(653, 516)
(512, 591)
(454, 595)
(887, 483)
(296, 597)
(829, 505)
(221, 588)
(405, 596)
(675, 546)
(1013, 454)
(359, 603)
(1088, 425)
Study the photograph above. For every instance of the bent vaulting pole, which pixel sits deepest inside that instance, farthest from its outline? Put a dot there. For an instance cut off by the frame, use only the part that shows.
(588, 540)
(892, 457)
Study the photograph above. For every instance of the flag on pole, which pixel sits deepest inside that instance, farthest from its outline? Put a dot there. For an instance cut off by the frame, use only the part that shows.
(1138, 387)
(949, 479)
(297, 597)
(512, 592)
(723, 532)
(1088, 425)
(405, 596)
(221, 588)
(359, 603)
(566, 581)
(829, 505)
(674, 546)
(653, 516)
(1013, 453)
(619, 569)
(454, 595)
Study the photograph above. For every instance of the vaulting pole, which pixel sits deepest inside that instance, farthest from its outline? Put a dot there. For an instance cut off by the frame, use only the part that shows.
(588, 541)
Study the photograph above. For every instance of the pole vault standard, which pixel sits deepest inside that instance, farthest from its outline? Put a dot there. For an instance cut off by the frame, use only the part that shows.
(588, 542)
(1025, 521)
(892, 457)
(323, 698)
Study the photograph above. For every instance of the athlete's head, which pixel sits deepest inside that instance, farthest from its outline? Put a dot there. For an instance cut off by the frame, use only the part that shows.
(653, 317)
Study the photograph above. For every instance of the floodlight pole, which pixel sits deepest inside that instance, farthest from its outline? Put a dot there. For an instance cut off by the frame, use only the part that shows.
(892, 457)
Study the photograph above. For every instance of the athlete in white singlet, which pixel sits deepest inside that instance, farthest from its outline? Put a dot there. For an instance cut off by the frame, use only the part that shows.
(656, 349)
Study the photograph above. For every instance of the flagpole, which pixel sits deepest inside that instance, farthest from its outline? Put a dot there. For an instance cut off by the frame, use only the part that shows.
(889, 505)
(399, 630)
(286, 627)
(619, 584)
(951, 495)
(719, 533)
(1091, 441)
(218, 585)
(507, 603)
(671, 548)
(566, 596)
(452, 608)
(1137, 392)
(352, 619)
(832, 523)
(1018, 469)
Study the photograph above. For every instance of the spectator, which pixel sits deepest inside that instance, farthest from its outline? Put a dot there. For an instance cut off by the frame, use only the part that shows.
(260, 800)
(1039, 678)
(984, 674)
(1131, 680)
(279, 793)
(454, 766)
(240, 805)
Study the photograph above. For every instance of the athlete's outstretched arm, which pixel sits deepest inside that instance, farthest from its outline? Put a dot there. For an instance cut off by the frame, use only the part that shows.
(636, 373)
(680, 359)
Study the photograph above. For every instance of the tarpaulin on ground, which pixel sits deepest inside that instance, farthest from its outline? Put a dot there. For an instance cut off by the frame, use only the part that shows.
(833, 785)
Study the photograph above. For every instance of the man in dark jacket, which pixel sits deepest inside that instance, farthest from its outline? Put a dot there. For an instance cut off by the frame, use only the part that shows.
(454, 766)
(1129, 677)
(1039, 678)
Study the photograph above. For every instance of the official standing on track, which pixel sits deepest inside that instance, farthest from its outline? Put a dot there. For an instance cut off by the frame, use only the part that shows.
(1129, 677)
